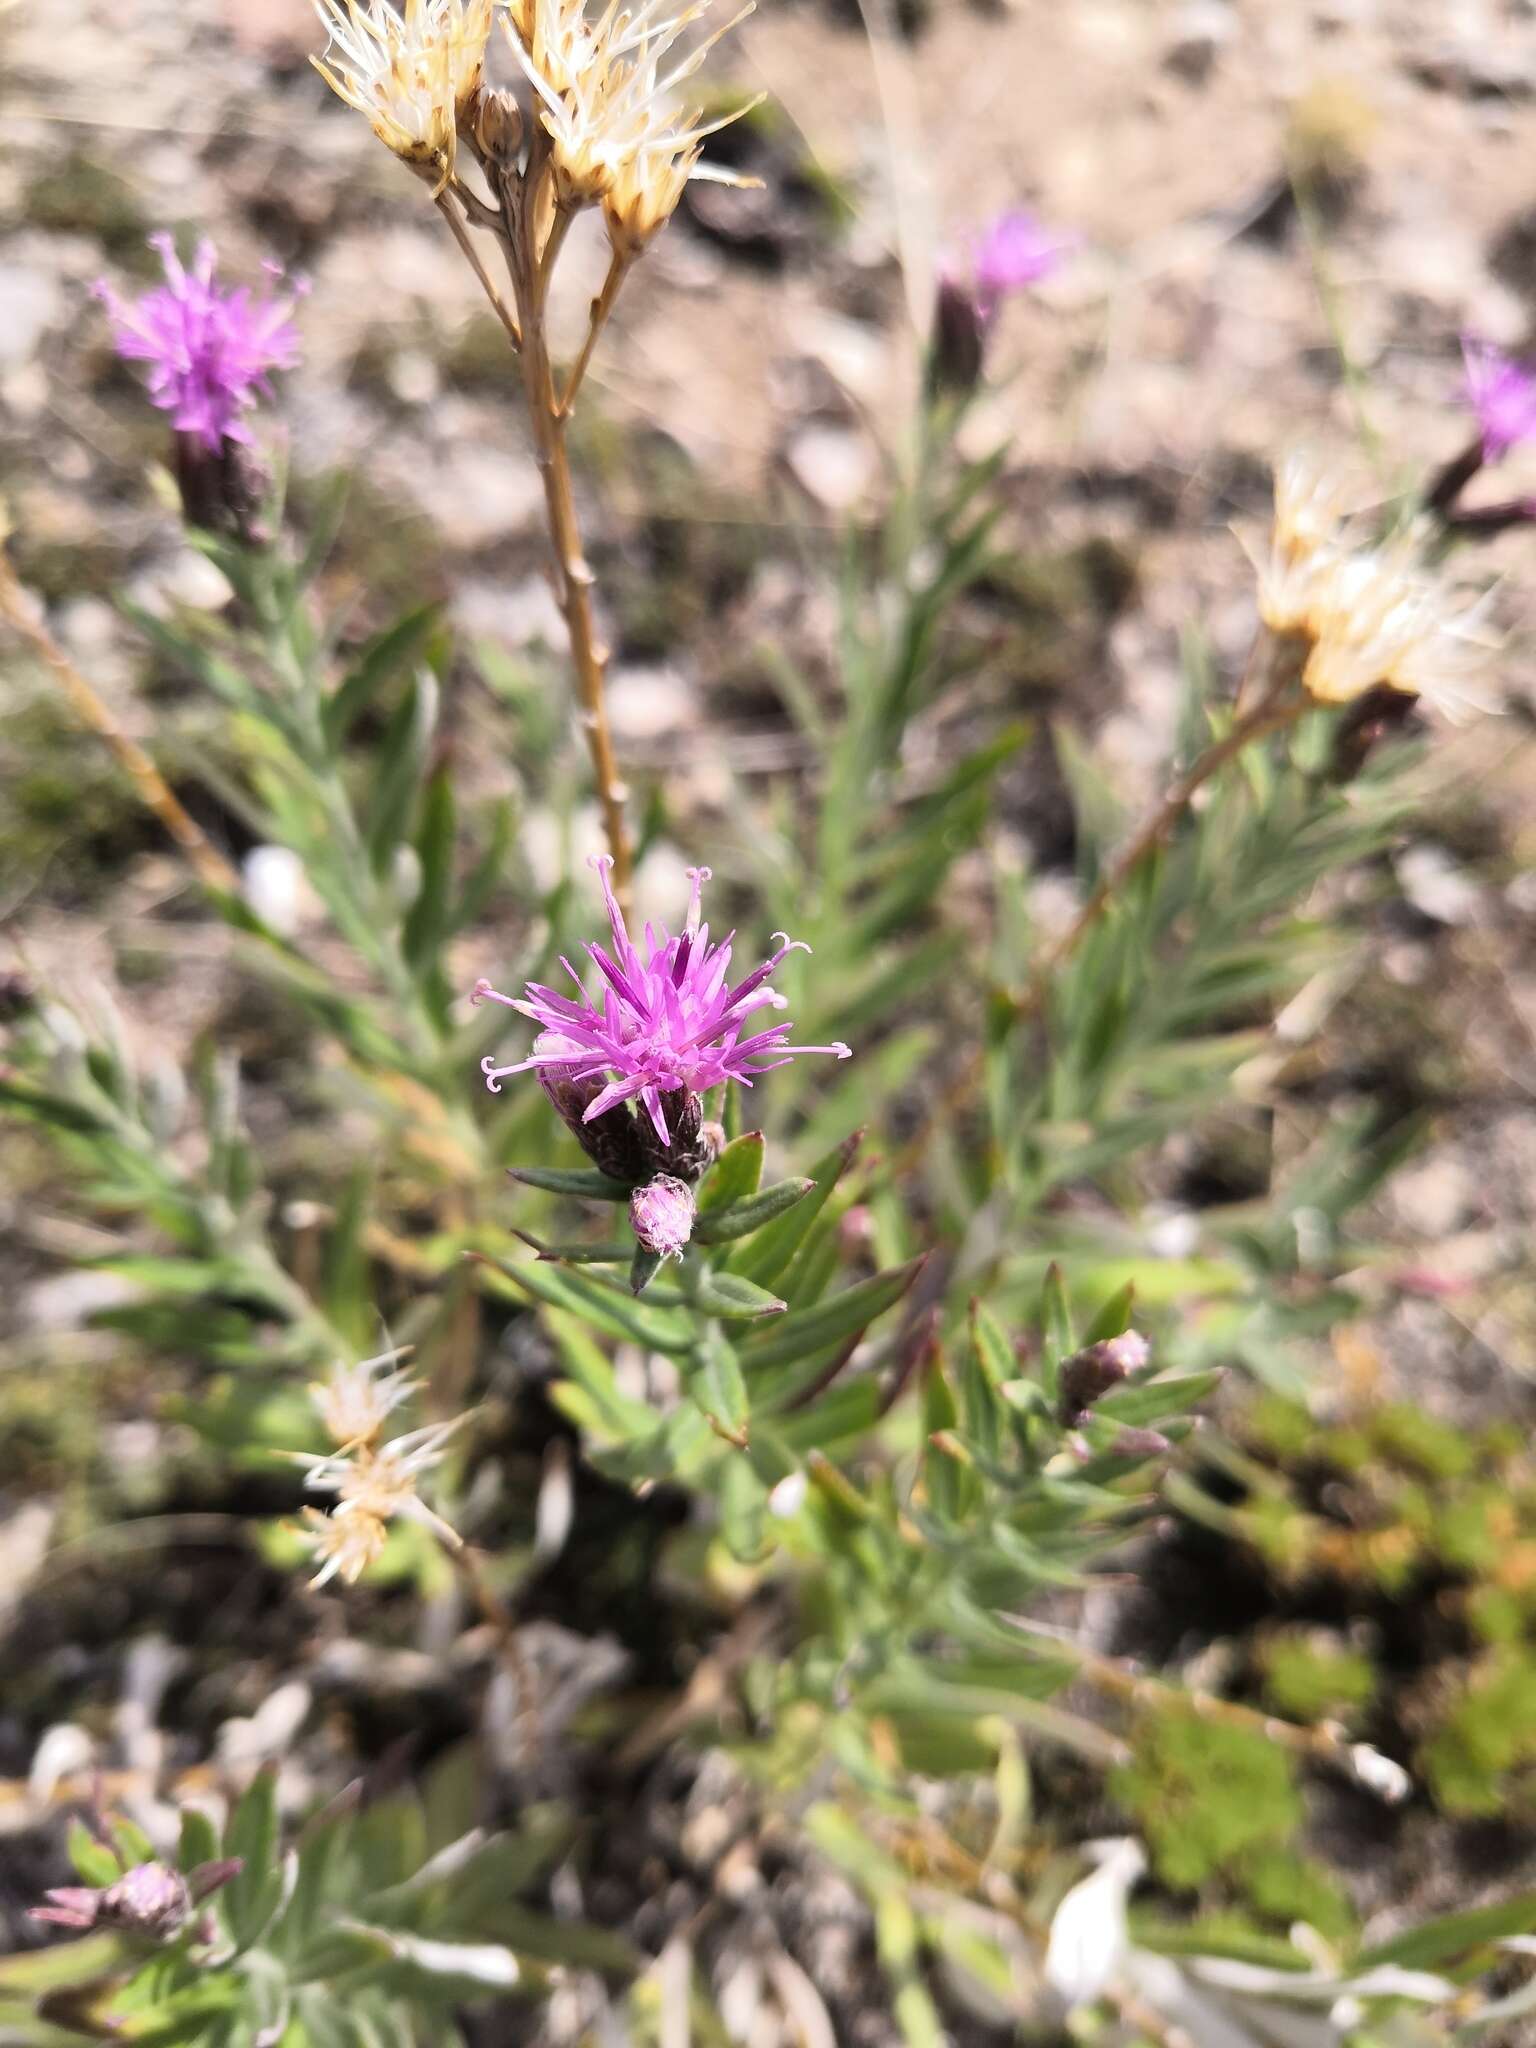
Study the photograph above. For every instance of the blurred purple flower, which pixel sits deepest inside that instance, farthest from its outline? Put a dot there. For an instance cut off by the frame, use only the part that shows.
(667, 1024)
(1502, 393)
(210, 350)
(1015, 251)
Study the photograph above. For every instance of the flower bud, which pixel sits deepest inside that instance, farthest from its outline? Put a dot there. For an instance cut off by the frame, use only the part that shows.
(662, 1214)
(151, 1899)
(957, 344)
(496, 124)
(1088, 1375)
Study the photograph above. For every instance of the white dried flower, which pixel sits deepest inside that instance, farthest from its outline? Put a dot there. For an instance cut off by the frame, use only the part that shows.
(357, 1400)
(1370, 616)
(606, 102)
(1379, 1774)
(1089, 1937)
(374, 1484)
(414, 72)
(345, 1545)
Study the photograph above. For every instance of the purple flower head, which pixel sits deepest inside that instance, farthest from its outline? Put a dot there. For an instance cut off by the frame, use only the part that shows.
(1502, 393)
(1014, 251)
(662, 1214)
(209, 350)
(666, 1022)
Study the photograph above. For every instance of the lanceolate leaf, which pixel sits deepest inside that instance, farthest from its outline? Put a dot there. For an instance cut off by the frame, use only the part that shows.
(735, 1175)
(771, 1250)
(830, 1322)
(740, 1219)
(584, 1181)
(727, 1294)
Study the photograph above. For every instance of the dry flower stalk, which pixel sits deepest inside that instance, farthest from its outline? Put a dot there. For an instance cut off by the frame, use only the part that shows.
(212, 869)
(603, 132)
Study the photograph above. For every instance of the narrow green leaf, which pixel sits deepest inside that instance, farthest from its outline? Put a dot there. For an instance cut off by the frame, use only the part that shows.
(605, 1309)
(716, 1384)
(326, 514)
(727, 1294)
(1453, 1935)
(344, 1291)
(94, 1862)
(249, 1897)
(988, 1363)
(577, 1252)
(1114, 1318)
(771, 1250)
(199, 1841)
(1156, 1400)
(744, 1511)
(396, 648)
(1056, 1339)
(400, 761)
(803, 1331)
(735, 1175)
(430, 918)
(740, 1219)
(585, 1181)
(643, 1268)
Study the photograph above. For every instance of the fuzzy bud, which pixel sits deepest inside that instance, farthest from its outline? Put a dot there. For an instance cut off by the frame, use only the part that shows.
(1088, 1375)
(662, 1214)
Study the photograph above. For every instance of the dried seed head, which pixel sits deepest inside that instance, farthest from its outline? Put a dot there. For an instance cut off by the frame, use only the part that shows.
(662, 1213)
(374, 1484)
(344, 1546)
(1365, 616)
(357, 1400)
(606, 103)
(415, 73)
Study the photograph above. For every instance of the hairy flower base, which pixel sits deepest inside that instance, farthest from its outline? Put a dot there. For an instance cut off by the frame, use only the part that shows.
(666, 1025)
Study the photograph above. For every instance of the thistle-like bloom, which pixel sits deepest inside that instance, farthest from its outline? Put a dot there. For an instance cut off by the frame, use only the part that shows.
(210, 351)
(667, 1023)
(413, 72)
(1502, 393)
(661, 1214)
(1368, 617)
(357, 1400)
(1014, 251)
(605, 96)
